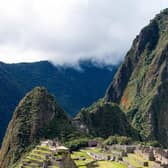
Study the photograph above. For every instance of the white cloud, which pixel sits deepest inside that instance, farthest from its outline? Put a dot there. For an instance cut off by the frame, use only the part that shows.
(65, 31)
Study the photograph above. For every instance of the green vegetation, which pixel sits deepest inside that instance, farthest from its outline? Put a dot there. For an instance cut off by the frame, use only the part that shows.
(65, 83)
(88, 162)
(37, 157)
(105, 164)
(151, 143)
(83, 160)
(36, 117)
(79, 162)
(77, 143)
(104, 119)
(122, 140)
(136, 161)
(140, 85)
(139, 91)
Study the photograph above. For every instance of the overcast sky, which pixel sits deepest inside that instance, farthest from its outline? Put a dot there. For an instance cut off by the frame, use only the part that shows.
(65, 31)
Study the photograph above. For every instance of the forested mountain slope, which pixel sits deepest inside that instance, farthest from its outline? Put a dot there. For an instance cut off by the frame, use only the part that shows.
(37, 116)
(73, 88)
(140, 86)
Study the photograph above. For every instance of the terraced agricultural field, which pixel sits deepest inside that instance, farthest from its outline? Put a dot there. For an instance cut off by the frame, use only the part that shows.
(37, 157)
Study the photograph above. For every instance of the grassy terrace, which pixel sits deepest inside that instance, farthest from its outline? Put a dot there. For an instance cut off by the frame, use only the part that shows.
(90, 163)
(36, 158)
(136, 160)
(83, 160)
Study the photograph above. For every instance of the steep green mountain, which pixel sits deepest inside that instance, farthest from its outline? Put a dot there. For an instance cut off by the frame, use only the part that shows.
(37, 116)
(141, 84)
(103, 119)
(73, 88)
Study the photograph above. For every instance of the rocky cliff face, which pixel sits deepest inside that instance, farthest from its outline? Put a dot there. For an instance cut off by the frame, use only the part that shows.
(37, 116)
(140, 86)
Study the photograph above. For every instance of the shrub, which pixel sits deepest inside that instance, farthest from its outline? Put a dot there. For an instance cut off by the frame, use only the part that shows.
(122, 140)
(75, 145)
(152, 143)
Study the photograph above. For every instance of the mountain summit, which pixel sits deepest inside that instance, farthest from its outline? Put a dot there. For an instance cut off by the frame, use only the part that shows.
(37, 116)
(141, 84)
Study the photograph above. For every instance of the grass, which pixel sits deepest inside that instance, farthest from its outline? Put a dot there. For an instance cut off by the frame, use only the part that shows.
(109, 164)
(81, 154)
(133, 159)
(36, 158)
(90, 163)
(83, 160)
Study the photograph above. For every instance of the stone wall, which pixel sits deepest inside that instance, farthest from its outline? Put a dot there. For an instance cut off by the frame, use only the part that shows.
(160, 156)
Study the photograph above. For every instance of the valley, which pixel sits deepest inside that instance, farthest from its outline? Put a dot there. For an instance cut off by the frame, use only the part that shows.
(73, 88)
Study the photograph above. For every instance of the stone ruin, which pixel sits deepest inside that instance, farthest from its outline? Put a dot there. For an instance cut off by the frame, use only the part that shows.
(80, 126)
(116, 152)
(158, 155)
(124, 148)
(146, 152)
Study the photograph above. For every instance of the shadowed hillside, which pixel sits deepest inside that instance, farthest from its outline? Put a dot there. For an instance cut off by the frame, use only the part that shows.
(73, 88)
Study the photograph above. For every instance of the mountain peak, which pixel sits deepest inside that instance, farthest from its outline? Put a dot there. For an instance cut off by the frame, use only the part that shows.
(141, 83)
(32, 119)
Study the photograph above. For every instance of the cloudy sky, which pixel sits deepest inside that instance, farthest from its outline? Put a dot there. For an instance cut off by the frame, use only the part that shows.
(65, 31)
